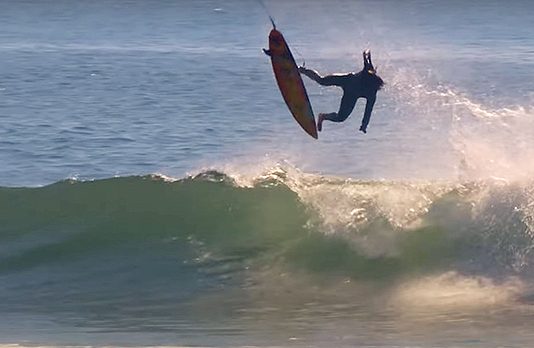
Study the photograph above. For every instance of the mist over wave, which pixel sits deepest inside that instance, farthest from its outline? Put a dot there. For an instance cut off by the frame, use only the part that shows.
(439, 131)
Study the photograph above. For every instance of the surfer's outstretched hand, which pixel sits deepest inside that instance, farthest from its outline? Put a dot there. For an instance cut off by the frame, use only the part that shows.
(302, 70)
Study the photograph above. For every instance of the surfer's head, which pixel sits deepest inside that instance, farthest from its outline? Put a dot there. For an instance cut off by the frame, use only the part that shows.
(374, 81)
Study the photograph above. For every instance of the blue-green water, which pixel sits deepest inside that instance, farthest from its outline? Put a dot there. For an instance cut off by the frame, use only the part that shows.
(154, 189)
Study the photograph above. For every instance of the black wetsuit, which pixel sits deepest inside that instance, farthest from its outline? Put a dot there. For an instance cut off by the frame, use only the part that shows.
(364, 84)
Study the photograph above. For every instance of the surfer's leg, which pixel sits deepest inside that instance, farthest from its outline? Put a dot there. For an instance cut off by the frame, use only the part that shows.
(323, 117)
(345, 108)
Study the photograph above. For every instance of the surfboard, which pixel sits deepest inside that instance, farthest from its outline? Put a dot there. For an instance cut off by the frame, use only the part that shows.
(290, 82)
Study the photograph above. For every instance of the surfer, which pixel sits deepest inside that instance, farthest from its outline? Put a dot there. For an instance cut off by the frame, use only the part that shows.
(364, 84)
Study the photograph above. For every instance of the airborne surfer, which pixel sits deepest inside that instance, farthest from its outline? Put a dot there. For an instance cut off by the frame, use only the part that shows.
(364, 84)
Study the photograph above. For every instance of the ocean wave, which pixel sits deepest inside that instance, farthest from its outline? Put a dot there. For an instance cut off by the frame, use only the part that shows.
(305, 221)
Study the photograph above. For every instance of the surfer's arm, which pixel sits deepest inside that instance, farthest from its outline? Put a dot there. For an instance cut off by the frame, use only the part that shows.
(267, 52)
(329, 80)
(367, 113)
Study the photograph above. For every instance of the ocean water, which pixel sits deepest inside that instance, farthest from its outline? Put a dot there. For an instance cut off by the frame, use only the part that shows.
(155, 191)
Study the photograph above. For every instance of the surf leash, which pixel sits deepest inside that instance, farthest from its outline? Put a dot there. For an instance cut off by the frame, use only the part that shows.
(268, 13)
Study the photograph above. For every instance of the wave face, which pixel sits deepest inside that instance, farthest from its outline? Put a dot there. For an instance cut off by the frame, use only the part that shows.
(146, 253)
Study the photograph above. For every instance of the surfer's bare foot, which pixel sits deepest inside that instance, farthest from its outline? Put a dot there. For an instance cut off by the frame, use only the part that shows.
(320, 120)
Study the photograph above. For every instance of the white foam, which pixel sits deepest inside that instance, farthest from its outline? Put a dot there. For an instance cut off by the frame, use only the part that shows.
(453, 290)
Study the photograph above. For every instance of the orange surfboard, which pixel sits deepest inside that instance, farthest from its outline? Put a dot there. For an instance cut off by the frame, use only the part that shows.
(290, 83)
